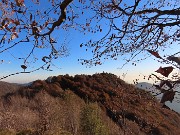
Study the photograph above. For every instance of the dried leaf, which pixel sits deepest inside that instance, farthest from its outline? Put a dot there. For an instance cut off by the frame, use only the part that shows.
(3, 22)
(156, 54)
(14, 35)
(166, 82)
(178, 35)
(169, 84)
(1, 61)
(23, 67)
(30, 17)
(165, 71)
(13, 29)
(19, 3)
(168, 96)
(159, 88)
(175, 59)
(16, 22)
(7, 28)
(46, 23)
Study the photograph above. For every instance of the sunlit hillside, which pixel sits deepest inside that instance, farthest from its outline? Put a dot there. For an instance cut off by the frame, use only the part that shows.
(99, 104)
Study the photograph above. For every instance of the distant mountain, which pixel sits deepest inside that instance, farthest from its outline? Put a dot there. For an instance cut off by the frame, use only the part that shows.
(99, 104)
(149, 87)
(6, 87)
(26, 84)
(144, 85)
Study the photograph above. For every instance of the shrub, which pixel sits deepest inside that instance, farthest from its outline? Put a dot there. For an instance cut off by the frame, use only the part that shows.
(90, 122)
(6, 132)
(27, 132)
(61, 132)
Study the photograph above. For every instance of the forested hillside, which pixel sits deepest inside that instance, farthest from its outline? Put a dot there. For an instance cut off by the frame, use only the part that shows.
(99, 104)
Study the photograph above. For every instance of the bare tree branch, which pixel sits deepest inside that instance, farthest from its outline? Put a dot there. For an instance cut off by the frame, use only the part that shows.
(61, 18)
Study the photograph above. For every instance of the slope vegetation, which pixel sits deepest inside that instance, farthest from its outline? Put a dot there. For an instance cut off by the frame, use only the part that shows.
(63, 104)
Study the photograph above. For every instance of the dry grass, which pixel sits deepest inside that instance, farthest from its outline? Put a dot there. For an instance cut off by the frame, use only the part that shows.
(43, 114)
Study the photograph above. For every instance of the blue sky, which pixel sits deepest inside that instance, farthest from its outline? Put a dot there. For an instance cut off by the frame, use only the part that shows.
(70, 65)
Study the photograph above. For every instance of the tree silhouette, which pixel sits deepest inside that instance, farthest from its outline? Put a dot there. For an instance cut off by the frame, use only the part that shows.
(134, 27)
(25, 22)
